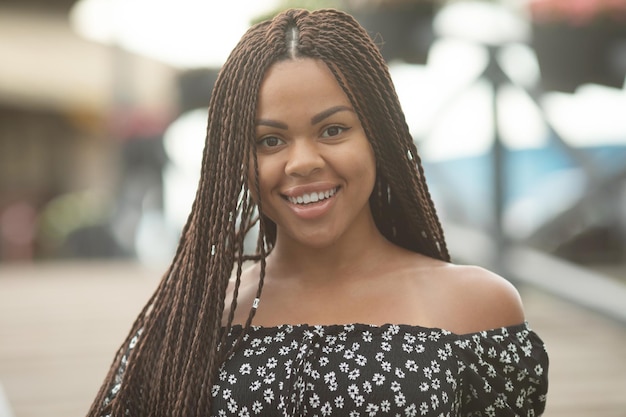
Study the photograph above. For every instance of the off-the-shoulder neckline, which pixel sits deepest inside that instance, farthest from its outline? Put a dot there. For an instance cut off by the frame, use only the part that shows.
(332, 328)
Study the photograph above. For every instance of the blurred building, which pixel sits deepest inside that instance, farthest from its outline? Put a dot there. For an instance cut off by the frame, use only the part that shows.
(76, 119)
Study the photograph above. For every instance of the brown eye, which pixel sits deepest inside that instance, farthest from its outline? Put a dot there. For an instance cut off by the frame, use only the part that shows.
(333, 131)
(270, 142)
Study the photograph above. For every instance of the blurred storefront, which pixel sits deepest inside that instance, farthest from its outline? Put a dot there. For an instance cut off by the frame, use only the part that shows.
(71, 114)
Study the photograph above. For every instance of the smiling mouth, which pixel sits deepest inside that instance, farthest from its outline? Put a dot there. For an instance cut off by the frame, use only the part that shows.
(314, 197)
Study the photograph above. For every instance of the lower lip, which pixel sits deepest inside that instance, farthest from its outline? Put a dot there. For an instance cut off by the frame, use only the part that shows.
(313, 210)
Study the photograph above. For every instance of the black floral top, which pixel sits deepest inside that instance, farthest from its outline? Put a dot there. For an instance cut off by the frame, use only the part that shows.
(392, 370)
(362, 370)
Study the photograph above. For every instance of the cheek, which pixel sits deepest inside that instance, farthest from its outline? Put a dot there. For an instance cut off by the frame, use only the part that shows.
(367, 166)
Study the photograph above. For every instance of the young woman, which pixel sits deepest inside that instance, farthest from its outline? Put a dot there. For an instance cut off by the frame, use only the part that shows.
(350, 305)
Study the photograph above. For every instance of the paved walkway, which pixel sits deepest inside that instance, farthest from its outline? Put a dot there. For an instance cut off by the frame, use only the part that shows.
(61, 323)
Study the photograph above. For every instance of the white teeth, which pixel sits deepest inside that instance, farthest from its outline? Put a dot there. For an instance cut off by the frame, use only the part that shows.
(312, 197)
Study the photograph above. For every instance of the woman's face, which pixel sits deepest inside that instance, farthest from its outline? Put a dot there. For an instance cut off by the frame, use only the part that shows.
(316, 166)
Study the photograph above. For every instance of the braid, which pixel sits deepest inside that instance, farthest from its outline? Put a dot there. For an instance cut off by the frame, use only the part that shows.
(173, 352)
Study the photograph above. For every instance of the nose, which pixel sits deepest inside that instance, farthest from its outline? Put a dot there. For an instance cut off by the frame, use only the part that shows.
(304, 158)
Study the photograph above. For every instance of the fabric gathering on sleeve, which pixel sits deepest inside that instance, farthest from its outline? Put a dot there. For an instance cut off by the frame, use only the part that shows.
(504, 372)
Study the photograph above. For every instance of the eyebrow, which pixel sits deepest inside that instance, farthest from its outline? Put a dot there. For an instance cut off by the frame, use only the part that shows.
(314, 120)
(329, 112)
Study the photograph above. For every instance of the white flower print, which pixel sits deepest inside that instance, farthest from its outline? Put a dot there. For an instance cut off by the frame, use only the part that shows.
(367, 387)
(435, 384)
(361, 360)
(385, 406)
(509, 385)
(371, 409)
(410, 411)
(411, 365)
(378, 379)
(314, 401)
(330, 377)
(353, 390)
(379, 371)
(326, 409)
(272, 363)
(400, 399)
(521, 375)
(354, 374)
(232, 405)
(434, 401)
(268, 395)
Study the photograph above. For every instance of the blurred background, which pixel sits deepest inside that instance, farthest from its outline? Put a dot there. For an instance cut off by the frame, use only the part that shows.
(517, 106)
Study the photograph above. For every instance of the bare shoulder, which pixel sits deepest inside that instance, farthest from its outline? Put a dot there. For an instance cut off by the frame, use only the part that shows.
(475, 299)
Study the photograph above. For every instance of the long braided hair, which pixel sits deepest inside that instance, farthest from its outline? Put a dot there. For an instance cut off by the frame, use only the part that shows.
(174, 349)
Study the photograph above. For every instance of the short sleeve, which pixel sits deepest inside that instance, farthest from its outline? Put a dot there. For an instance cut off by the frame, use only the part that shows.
(504, 372)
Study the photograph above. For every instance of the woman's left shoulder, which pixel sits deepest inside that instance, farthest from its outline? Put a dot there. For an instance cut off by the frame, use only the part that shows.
(478, 299)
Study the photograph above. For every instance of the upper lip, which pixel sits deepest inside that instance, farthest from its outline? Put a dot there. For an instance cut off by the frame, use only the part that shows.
(301, 190)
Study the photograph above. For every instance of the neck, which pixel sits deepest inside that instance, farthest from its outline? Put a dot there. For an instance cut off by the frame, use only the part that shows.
(348, 257)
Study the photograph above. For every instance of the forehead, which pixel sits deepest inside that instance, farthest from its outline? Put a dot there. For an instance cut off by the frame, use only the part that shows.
(303, 81)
